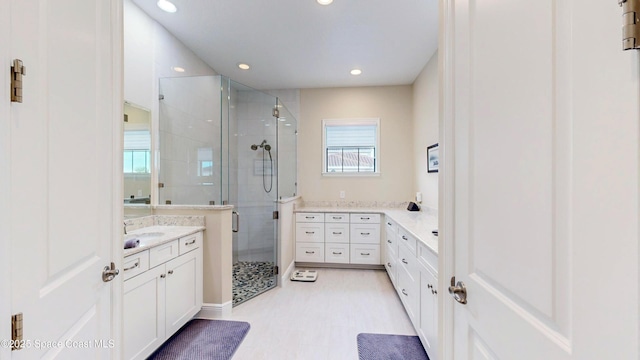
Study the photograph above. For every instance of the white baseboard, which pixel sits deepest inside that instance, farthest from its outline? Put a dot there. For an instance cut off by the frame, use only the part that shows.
(284, 278)
(215, 311)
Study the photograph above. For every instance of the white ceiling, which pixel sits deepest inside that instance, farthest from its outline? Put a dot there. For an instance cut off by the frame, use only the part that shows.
(301, 44)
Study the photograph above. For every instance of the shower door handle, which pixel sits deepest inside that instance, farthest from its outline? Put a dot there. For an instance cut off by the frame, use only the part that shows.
(237, 214)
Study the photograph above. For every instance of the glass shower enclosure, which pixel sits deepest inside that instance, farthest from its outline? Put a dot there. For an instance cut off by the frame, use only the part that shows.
(222, 142)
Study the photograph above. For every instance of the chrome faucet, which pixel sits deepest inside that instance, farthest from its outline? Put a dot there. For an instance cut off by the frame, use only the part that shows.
(125, 228)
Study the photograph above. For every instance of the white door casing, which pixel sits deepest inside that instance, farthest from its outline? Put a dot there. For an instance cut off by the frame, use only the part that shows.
(540, 181)
(65, 171)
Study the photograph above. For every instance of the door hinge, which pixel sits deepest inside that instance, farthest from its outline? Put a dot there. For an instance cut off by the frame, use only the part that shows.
(630, 24)
(276, 271)
(276, 215)
(161, 185)
(160, 97)
(16, 332)
(276, 113)
(17, 72)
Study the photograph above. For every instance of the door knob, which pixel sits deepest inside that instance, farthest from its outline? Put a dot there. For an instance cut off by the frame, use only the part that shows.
(458, 290)
(109, 272)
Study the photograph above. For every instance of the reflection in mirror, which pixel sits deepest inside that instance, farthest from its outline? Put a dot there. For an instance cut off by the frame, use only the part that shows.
(137, 161)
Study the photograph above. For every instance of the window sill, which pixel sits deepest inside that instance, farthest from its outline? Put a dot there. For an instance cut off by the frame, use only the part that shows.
(350, 174)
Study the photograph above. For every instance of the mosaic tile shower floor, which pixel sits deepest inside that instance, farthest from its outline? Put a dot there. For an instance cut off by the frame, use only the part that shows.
(251, 278)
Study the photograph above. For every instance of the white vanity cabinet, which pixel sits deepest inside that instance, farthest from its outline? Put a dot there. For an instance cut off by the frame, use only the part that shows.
(159, 300)
(413, 269)
(338, 238)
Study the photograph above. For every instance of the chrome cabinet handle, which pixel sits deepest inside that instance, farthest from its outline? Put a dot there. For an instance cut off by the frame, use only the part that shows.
(310, 252)
(337, 218)
(389, 223)
(365, 254)
(337, 233)
(337, 253)
(389, 264)
(170, 272)
(192, 242)
(132, 267)
(237, 229)
(404, 237)
(405, 261)
(365, 234)
(364, 218)
(163, 276)
(404, 292)
(310, 232)
(310, 217)
(389, 241)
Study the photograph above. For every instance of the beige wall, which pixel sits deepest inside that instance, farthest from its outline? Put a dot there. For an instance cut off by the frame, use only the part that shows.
(425, 133)
(393, 105)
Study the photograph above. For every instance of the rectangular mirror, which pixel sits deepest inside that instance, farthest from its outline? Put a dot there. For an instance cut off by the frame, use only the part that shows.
(137, 161)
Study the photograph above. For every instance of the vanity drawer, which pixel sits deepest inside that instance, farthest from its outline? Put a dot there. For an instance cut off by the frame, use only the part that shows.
(409, 262)
(190, 242)
(336, 218)
(163, 253)
(310, 217)
(365, 234)
(336, 253)
(407, 240)
(391, 266)
(365, 254)
(427, 257)
(309, 252)
(309, 232)
(365, 218)
(336, 232)
(135, 264)
(391, 239)
(391, 226)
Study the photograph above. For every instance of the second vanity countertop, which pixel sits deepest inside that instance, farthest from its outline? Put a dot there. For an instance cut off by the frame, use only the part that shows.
(157, 235)
(418, 223)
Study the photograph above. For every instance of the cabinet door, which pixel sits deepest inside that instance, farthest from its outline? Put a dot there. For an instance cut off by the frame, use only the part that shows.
(409, 291)
(429, 312)
(143, 317)
(183, 297)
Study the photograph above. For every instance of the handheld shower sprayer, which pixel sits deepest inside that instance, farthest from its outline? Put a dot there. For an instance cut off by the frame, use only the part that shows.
(264, 146)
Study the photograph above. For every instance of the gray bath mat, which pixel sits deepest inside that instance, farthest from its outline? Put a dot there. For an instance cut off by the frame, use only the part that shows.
(204, 340)
(390, 347)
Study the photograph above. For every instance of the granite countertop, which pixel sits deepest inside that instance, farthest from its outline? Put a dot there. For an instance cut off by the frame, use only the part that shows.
(418, 223)
(162, 235)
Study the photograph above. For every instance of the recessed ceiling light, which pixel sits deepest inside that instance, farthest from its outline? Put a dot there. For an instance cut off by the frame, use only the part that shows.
(167, 6)
(287, 124)
(209, 120)
(324, 2)
(356, 72)
(282, 119)
(244, 66)
(178, 69)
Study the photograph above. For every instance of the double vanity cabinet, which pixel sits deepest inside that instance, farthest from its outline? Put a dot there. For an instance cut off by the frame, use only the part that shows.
(162, 289)
(405, 246)
(338, 238)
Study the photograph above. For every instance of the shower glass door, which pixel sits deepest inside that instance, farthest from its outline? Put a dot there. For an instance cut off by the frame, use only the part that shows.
(251, 184)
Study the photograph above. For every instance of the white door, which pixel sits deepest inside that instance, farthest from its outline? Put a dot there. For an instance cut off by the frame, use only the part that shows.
(63, 175)
(540, 180)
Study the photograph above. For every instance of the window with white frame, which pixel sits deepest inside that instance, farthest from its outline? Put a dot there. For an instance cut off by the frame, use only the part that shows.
(137, 153)
(351, 146)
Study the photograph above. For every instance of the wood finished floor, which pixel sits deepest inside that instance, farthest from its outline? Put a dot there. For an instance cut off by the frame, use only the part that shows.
(320, 320)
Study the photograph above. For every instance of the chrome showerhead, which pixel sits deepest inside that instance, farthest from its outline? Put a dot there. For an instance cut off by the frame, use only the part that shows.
(267, 147)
